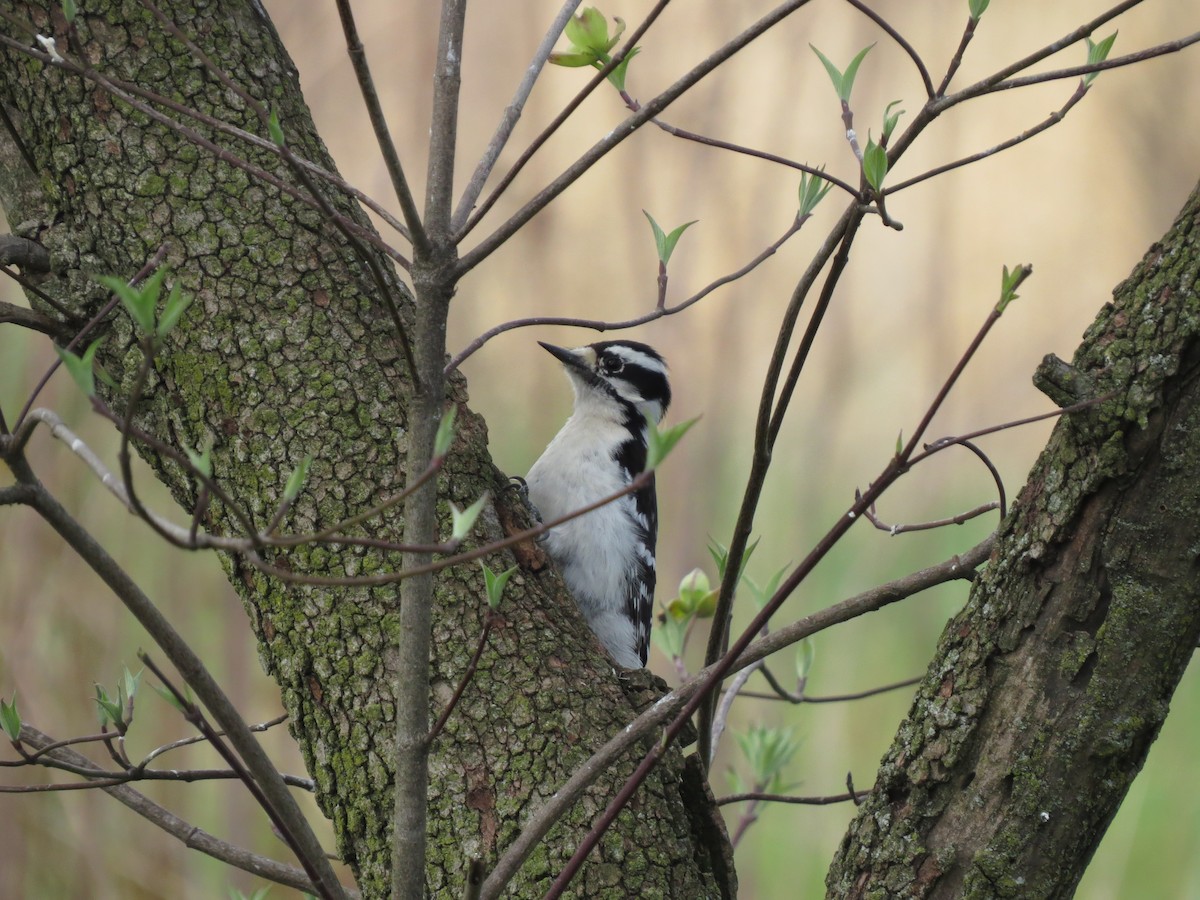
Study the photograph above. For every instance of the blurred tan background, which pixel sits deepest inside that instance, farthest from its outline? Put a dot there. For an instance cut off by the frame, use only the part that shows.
(1081, 202)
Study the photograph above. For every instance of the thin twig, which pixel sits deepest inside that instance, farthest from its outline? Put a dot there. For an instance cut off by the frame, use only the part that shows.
(804, 697)
(657, 313)
(387, 147)
(958, 519)
(896, 467)
(488, 620)
(11, 314)
(651, 721)
(726, 704)
(601, 148)
(469, 556)
(760, 461)
(512, 113)
(281, 823)
(786, 798)
(1116, 62)
(899, 41)
(743, 150)
(1051, 120)
(185, 832)
(575, 102)
(956, 60)
(189, 665)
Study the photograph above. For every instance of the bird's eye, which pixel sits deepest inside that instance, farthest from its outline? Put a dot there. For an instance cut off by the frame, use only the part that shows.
(611, 366)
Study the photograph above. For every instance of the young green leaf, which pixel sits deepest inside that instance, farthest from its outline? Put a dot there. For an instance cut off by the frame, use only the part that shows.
(137, 303)
(1009, 282)
(495, 583)
(1097, 52)
(275, 129)
(127, 686)
(806, 652)
(296, 480)
(843, 82)
(875, 164)
(617, 76)
(890, 119)
(590, 40)
(669, 634)
(202, 461)
(176, 305)
(10, 719)
(69, 10)
(813, 189)
(767, 751)
(660, 443)
(977, 8)
(169, 697)
(81, 368)
(764, 593)
(445, 433)
(665, 243)
(720, 555)
(463, 520)
(107, 710)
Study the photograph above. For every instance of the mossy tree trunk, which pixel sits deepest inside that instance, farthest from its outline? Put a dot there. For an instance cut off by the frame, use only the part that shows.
(289, 351)
(1048, 689)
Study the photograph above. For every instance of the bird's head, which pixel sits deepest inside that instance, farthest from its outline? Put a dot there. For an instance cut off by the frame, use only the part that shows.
(621, 372)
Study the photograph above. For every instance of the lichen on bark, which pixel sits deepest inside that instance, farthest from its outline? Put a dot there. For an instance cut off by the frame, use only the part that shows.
(1048, 688)
(288, 351)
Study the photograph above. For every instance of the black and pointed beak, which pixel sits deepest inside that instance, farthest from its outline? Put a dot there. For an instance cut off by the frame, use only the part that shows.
(569, 358)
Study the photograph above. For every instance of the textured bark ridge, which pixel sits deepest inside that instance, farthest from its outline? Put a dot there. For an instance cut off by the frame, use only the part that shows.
(288, 351)
(1050, 686)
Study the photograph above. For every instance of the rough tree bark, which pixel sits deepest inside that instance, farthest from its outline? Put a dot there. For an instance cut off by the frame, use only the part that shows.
(1048, 689)
(289, 351)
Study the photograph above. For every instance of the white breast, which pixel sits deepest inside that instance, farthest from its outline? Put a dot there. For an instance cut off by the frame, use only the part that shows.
(595, 553)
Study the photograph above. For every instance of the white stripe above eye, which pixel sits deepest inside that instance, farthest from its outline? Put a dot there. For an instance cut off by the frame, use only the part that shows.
(635, 357)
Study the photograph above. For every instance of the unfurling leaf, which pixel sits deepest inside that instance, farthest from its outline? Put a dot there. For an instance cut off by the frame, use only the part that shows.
(875, 164)
(176, 305)
(1009, 282)
(977, 8)
(1097, 52)
(202, 461)
(665, 243)
(275, 129)
(495, 584)
(10, 719)
(445, 433)
(463, 520)
(813, 189)
(660, 443)
(889, 120)
(296, 480)
(82, 369)
(843, 82)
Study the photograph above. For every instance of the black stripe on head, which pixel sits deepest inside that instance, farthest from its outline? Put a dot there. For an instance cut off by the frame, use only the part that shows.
(636, 371)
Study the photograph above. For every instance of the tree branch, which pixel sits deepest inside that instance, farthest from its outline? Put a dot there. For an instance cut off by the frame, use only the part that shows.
(192, 669)
(189, 835)
(651, 721)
